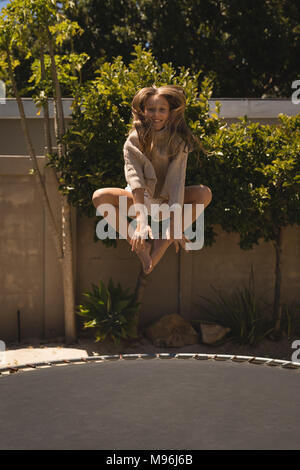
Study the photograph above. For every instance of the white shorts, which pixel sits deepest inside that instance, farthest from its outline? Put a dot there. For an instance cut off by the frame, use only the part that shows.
(148, 201)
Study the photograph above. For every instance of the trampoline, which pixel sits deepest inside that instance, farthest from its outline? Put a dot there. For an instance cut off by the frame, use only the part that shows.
(151, 402)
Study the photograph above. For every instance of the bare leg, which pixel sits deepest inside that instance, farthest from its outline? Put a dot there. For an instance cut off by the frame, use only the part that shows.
(145, 257)
(143, 253)
(201, 195)
(159, 248)
(110, 196)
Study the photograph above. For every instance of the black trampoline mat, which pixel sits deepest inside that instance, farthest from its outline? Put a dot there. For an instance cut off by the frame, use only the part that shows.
(151, 404)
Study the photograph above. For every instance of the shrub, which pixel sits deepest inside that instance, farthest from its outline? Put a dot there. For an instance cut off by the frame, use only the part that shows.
(241, 312)
(111, 311)
(290, 320)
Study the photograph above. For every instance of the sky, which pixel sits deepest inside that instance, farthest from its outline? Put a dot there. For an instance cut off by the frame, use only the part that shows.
(3, 3)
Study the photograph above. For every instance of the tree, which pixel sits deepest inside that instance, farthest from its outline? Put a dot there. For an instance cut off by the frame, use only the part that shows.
(261, 194)
(249, 49)
(278, 196)
(32, 27)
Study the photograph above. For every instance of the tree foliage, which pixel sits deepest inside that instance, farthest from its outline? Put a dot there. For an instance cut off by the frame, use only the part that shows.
(255, 176)
(249, 49)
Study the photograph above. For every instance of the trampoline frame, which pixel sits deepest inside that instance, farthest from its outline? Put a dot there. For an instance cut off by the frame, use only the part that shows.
(4, 371)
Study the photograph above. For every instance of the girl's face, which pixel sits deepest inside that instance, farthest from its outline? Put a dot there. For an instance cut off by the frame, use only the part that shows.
(158, 110)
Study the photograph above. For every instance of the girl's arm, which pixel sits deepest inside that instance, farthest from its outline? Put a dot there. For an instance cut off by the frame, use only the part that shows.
(133, 158)
(174, 185)
(142, 230)
(134, 176)
(138, 198)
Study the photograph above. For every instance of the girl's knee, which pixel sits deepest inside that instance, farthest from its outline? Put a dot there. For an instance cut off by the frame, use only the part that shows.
(97, 197)
(204, 194)
(208, 194)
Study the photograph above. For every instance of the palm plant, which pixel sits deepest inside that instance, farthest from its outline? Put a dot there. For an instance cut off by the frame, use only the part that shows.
(111, 311)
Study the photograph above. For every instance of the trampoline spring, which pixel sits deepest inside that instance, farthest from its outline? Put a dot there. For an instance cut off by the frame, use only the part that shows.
(130, 356)
(241, 359)
(291, 365)
(184, 356)
(257, 360)
(222, 358)
(148, 356)
(112, 357)
(166, 355)
(273, 363)
(201, 357)
(93, 358)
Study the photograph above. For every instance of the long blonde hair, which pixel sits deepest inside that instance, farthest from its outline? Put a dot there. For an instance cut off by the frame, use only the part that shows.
(175, 125)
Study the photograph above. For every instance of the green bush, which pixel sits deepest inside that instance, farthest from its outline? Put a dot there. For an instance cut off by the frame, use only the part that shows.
(254, 173)
(253, 170)
(111, 311)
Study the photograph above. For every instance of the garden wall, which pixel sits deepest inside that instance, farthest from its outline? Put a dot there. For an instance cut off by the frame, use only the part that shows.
(30, 279)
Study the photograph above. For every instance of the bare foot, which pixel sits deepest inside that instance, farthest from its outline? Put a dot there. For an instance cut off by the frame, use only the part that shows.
(146, 260)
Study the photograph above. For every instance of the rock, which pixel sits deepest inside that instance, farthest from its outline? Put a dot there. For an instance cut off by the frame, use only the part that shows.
(171, 331)
(213, 333)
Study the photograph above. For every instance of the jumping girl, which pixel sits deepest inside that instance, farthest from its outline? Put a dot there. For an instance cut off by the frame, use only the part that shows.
(155, 155)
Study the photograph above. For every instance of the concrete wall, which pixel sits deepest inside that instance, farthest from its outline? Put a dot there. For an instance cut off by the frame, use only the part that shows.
(30, 272)
(30, 279)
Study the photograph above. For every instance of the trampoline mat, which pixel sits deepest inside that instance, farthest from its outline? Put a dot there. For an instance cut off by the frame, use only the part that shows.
(151, 404)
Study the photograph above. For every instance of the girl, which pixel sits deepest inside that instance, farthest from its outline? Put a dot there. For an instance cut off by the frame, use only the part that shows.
(155, 155)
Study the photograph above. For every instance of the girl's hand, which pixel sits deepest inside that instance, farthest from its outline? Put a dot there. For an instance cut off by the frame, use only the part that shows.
(139, 236)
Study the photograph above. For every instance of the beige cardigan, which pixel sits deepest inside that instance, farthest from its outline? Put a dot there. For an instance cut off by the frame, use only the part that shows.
(140, 173)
